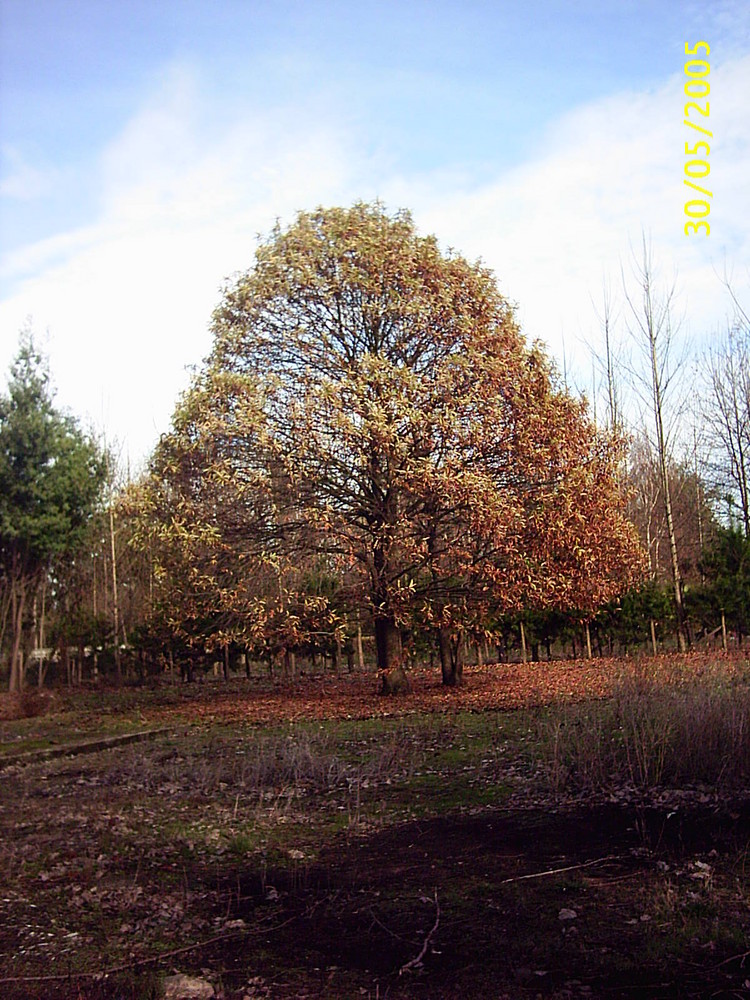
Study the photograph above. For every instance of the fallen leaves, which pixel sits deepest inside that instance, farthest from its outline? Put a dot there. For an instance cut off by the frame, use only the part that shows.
(504, 687)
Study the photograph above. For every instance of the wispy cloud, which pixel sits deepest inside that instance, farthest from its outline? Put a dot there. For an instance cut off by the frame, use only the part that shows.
(128, 299)
(182, 195)
(603, 175)
(20, 179)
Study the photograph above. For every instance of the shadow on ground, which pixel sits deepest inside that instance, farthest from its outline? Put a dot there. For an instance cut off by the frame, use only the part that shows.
(597, 902)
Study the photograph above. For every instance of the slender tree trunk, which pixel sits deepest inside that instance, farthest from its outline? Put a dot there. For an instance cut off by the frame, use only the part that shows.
(653, 327)
(587, 630)
(458, 654)
(653, 637)
(524, 651)
(39, 631)
(698, 504)
(387, 635)
(656, 380)
(16, 654)
(444, 653)
(360, 650)
(115, 601)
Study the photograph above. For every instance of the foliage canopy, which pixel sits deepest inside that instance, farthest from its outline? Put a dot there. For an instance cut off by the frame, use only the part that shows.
(371, 408)
(51, 476)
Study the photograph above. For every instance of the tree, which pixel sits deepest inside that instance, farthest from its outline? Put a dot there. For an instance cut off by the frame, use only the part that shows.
(693, 519)
(370, 399)
(727, 414)
(726, 595)
(51, 476)
(651, 326)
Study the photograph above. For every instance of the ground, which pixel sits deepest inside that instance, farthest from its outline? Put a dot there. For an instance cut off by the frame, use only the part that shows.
(321, 841)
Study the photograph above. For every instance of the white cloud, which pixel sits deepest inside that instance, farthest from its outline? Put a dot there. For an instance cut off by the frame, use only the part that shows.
(128, 300)
(604, 174)
(22, 181)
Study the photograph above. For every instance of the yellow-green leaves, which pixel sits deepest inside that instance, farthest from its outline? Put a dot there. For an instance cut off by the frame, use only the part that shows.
(371, 402)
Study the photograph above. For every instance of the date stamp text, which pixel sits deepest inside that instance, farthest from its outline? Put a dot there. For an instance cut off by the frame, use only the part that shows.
(697, 149)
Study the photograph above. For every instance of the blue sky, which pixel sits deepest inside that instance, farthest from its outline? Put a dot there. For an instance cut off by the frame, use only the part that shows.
(144, 145)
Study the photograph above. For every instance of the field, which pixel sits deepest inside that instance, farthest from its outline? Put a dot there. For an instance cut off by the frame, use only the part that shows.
(549, 830)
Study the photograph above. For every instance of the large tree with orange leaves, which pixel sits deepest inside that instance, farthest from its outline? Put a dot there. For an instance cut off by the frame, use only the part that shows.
(375, 397)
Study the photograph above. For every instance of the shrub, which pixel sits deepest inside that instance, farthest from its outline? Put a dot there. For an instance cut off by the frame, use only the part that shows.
(651, 734)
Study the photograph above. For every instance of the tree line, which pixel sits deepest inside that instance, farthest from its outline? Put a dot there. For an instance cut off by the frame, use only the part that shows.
(373, 465)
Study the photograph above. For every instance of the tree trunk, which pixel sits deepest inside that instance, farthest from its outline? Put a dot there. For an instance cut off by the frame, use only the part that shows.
(360, 650)
(459, 658)
(653, 322)
(387, 642)
(42, 636)
(589, 655)
(115, 602)
(451, 658)
(653, 637)
(664, 472)
(524, 651)
(336, 655)
(16, 654)
(447, 664)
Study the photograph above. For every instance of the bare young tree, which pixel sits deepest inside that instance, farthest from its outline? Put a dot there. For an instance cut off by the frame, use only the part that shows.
(651, 326)
(727, 415)
(610, 363)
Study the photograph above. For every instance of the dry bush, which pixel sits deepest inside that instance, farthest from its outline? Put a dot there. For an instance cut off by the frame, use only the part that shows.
(651, 734)
(303, 761)
(26, 704)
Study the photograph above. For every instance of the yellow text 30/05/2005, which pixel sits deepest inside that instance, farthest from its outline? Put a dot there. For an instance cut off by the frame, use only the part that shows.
(696, 112)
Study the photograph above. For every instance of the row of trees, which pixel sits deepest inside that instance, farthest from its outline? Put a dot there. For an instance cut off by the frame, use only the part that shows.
(372, 454)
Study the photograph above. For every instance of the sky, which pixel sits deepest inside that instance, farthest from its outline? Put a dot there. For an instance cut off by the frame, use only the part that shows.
(145, 146)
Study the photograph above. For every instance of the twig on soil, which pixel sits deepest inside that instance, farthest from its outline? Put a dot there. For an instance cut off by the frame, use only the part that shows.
(742, 956)
(559, 871)
(426, 944)
(155, 959)
(396, 937)
(102, 973)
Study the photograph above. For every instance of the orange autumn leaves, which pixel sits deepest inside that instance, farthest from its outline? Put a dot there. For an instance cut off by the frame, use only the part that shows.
(372, 443)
